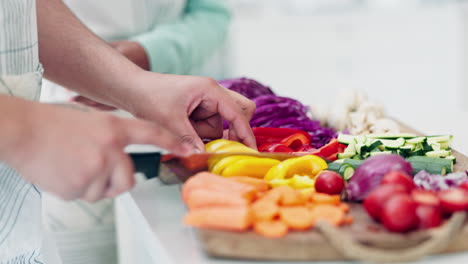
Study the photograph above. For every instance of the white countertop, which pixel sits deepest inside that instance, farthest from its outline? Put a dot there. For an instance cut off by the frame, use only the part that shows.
(154, 211)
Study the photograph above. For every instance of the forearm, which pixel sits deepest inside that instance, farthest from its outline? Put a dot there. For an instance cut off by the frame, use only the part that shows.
(76, 58)
(11, 119)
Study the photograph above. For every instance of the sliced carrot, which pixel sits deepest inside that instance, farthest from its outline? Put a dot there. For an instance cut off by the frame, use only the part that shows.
(273, 195)
(259, 184)
(264, 210)
(344, 207)
(260, 195)
(329, 213)
(203, 198)
(323, 198)
(206, 180)
(271, 229)
(289, 196)
(297, 217)
(347, 220)
(224, 218)
(310, 205)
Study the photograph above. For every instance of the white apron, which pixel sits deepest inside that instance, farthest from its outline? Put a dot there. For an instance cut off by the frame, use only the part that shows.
(20, 75)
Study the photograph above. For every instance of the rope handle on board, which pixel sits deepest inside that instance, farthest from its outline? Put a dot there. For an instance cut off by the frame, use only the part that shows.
(439, 239)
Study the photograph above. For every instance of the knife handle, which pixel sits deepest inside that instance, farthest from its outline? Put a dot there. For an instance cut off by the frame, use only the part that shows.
(146, 163)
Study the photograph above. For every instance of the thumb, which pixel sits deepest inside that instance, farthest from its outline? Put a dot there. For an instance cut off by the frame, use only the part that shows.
(189, 136)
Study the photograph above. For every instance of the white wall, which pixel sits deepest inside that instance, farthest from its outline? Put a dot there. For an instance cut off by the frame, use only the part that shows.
(411, 57)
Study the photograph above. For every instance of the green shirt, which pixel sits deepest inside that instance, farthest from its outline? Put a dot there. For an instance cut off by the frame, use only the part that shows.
(181, 46)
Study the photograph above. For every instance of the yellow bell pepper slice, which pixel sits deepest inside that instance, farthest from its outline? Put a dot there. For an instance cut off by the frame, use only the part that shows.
(309, 165)
(235, 149)
(279, 182)
(252, 167)
(223, 163)
(301, 182)
(214, 145)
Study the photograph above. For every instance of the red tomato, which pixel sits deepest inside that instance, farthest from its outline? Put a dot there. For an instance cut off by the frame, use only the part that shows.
(399, 213)
(399, 177)
(375, 200)
(424, 197)
(329, 182)
(453, 200)
(428, 216)
(464, 185)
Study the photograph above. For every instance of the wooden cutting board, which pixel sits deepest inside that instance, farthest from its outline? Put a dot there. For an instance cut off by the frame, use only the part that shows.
(363, 240)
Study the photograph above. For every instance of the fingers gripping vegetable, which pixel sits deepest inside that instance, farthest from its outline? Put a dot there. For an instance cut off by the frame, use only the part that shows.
(371, 172)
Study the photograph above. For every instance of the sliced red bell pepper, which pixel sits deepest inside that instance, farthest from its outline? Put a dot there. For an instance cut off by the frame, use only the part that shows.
(274, 135)
(274, 147)
(329, 151)
(295, 141)
(305, 148)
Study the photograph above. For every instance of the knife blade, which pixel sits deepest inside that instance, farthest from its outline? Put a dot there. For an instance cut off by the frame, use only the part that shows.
(172, 169)
(182, 168)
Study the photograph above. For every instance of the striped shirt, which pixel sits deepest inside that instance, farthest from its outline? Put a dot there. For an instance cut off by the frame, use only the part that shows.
(20, 75)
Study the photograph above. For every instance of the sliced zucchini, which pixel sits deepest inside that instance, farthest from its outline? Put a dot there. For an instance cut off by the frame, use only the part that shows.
(392, 136)
(435, 146)
(452, 158)
(393, 144)
(444, 138)
(380, 153)
(374, 145)
(444, 145)
(426, 147)
(345, 139)
(415, 140)
(346, 171)
(418, 152)
(439, 154)
(345, 155)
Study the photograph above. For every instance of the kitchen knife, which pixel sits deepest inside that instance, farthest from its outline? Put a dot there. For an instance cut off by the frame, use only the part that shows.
(173, 169)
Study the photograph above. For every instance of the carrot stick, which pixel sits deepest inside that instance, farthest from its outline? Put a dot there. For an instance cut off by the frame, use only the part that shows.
(323, 198)
(259, 184)
(296, 217)
(344, 207)
(206, 180)
(324, 212)
(271, 229)
(224, 218)
(203, 198)
(264, 210)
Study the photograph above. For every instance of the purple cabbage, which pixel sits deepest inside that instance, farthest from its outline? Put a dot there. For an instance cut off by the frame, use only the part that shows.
(427, 181)
(277, 111)
(247, 87)
(370, 173)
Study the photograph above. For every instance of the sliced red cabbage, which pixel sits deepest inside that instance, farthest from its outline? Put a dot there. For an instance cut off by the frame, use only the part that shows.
(427, 181)
(277, 111)
(247, 87)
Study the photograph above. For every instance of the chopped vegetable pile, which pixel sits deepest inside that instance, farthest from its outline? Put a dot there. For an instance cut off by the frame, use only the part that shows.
(242, 203)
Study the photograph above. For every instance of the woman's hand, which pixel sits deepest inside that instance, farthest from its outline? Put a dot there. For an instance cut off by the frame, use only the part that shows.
(75, 154)
(191, 107)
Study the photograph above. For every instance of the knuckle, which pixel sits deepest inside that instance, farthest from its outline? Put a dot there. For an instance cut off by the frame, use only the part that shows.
(187, 139)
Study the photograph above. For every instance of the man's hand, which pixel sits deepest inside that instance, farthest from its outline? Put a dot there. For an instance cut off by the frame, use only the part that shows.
(75, 154)
(191, 107)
